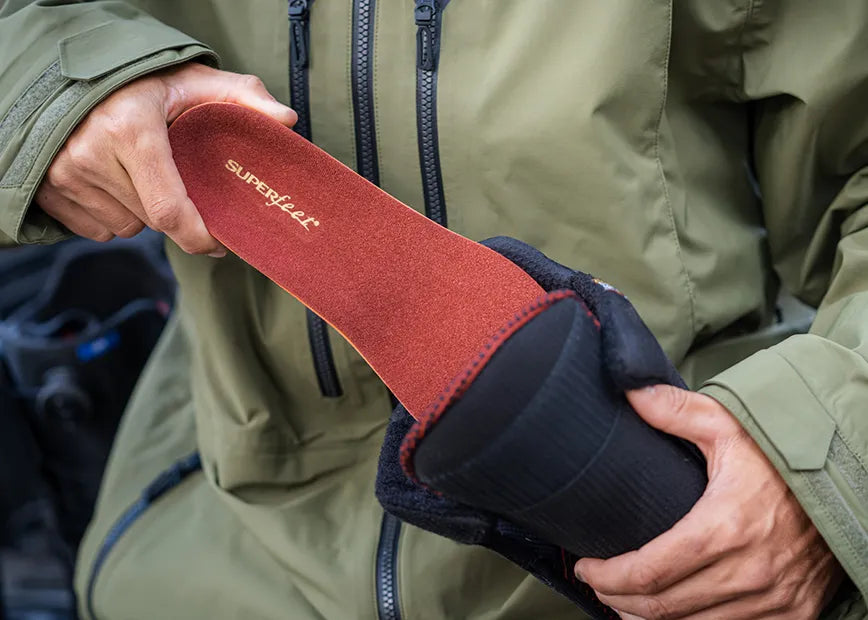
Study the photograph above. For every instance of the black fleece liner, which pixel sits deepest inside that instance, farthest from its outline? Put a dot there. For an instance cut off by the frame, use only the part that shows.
(421, 507)
(637, 485)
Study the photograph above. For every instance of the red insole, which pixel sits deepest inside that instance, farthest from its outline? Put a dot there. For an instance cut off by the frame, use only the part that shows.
(415, 299)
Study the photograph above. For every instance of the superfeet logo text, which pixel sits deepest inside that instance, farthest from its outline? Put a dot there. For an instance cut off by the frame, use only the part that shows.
(273, 198)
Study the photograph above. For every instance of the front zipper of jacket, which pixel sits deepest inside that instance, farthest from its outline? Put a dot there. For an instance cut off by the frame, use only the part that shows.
(388, 603)
(367, 165)
(427, 16)
(299, 45)
(362, 75)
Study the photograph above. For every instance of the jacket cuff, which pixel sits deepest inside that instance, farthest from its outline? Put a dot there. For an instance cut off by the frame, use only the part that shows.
(45, 114)
(774, 395)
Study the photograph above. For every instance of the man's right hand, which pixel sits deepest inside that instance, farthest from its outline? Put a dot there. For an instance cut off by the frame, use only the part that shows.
(115, 174)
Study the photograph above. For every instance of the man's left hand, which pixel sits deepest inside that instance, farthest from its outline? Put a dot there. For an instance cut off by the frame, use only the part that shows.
(745, 550)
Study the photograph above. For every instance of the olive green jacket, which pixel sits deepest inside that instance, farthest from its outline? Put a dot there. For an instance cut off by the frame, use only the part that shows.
(632, 140)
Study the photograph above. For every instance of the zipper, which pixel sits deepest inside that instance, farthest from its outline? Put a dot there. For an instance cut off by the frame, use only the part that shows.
(299, 10)
(299, 45)
(388, 602)
(162, 484)
(427, 16)
(362, 75)
(367, 165)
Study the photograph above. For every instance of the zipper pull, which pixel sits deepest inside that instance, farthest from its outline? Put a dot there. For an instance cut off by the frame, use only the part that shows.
(298, 12)
(427, 41)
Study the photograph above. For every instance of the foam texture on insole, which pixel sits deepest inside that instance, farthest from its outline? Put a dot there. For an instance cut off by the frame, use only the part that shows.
(415, 299)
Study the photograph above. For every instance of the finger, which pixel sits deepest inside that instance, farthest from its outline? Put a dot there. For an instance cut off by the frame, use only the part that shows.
(765, 606)
(163, 195)
(689, 415)
(114, 180)
(106, 210)
(687, 547)
(718, 583)
(194, 84)
(73, 216)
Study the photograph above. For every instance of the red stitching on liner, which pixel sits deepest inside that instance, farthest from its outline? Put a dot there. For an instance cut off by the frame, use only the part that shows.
(461, 382)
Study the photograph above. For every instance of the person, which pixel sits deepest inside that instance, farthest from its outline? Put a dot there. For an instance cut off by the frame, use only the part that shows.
(701, 156)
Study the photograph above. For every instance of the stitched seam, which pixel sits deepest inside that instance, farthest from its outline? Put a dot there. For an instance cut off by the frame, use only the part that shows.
(688, 284)
(845, 472)
(459, 384)
(807, 386)
(829, 516)
(834, 518)
(856, 456)
(740, 43)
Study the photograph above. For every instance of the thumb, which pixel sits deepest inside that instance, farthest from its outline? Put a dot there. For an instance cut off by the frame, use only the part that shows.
(689, 415)
(194, 84)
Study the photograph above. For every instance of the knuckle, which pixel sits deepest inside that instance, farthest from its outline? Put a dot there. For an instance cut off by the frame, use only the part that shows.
(656, 609)
(80, 154)
(60, 174)
(699, 546)
(677, 399)
(130, 228)
(117, 121)
(102, 235)
(253, 82)
(117, 126)
(782, 597)
(758, 576)
(729, 532)
(733, 528)
(111, 125)
(165, 214)
(145, 147)
(646, 579)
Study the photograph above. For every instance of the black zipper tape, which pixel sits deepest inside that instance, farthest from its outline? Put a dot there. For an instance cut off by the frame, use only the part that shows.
(427, 15)
(367, 165)
(388, 601)
(362, 75)
(162, 484)
(299, 61)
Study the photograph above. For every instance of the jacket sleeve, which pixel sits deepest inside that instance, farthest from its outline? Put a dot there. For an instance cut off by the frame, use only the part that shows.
(805, 401)
(58, 59)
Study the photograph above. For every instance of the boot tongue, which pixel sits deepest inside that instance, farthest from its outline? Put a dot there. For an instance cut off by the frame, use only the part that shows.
(416, 300)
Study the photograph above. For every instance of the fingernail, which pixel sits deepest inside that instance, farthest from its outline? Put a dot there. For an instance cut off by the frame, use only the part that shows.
(649, 389)
(579, 576)
(219, 253)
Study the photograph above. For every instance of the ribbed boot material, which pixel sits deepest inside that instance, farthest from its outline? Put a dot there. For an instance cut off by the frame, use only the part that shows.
(543, 437)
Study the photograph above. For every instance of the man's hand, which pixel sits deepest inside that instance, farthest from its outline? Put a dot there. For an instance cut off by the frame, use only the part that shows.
(115, 174)
(745, 550)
